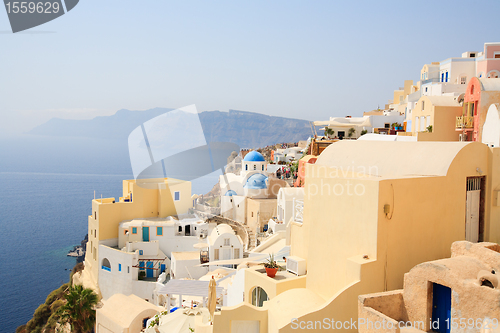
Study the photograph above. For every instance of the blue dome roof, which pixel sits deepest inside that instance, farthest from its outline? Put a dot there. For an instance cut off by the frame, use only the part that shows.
(256, 182)
(230, 193)
(254, 156)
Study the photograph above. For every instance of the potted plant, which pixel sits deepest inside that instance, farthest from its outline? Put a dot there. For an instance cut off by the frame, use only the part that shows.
(271, 266)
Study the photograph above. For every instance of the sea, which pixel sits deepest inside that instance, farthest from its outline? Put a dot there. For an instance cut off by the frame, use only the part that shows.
(47, 185)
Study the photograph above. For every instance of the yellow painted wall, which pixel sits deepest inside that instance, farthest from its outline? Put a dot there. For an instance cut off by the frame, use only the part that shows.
(147, 201)
(442, 119)
(243, 311)
(271, 286)
(259, 211)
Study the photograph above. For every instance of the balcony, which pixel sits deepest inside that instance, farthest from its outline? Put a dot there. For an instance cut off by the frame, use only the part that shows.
(464, 122)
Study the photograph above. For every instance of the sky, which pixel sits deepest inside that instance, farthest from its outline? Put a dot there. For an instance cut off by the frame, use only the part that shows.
(300, 59)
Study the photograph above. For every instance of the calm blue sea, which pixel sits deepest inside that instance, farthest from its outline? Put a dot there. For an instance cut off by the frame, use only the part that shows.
(45, 197)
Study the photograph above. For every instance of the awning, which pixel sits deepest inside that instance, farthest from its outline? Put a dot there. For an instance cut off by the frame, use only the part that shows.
(261, 257)
(345, 122)
(188, 288)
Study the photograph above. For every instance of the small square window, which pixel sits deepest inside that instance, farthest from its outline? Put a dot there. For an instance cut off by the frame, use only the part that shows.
(227, 242)
(177, 195)
(134, 230)
(159, 231)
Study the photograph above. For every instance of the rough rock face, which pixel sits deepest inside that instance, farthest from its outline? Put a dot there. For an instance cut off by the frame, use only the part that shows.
(247, 129)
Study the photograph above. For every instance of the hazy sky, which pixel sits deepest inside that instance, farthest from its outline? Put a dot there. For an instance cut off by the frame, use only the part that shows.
(301, 59)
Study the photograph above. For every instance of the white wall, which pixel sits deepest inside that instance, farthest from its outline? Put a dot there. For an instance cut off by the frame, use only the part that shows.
(491, 127)
(180, 268)
(238, 205)
(218, 243)
(116, 281)
(236, 289)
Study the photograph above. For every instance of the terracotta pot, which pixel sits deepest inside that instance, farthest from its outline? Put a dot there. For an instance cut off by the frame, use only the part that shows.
(271, 272)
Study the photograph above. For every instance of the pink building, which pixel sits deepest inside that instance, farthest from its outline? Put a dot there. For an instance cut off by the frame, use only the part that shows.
(488, 66)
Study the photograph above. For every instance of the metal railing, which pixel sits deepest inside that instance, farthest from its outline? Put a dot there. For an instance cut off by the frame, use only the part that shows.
(464, 122)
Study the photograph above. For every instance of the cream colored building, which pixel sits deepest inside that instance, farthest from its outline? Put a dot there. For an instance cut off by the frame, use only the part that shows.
(457, 294)
(372, 211)
(147, 198)
(122, 313)
(440, 112)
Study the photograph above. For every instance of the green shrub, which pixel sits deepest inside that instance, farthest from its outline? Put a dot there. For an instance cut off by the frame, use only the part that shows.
(57, 294)
(21, 329)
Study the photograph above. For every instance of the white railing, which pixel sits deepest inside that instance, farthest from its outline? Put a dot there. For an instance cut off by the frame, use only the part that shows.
(298, 210)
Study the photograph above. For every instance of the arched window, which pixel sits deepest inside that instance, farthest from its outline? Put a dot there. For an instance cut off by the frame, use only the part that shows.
(254, 167)
(259, 296)
(106, 265)
(246, 167)
(262, 167)
(493, 74)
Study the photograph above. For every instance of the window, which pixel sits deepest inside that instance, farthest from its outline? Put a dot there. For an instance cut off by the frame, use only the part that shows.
(252, 214)
(141, 265)
(423, 105)
(387, 125)
(119, 267)
(236, 253)
(262, 167)
(180, 228)
(177, 195)
(463, 79)
(446, 79)
(141, 252)
(442, 77)
(246, 167)
(216, 254)
(134, 230)
(426, 89)
(106, 265)
(259, 296)
(472, 55)
(227, 242)
(497, 55)
(128, 269)
(254, 167)
(95, 215)
(159, 231)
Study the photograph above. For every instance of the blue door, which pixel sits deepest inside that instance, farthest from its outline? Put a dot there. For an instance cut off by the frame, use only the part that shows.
(441, 308)
(149, 270)
(162, 268)
(145, 234)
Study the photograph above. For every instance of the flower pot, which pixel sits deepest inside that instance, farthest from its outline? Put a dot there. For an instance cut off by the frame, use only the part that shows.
(271, 272)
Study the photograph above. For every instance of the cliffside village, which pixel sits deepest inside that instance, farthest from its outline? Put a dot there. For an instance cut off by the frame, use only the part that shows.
(387, 221)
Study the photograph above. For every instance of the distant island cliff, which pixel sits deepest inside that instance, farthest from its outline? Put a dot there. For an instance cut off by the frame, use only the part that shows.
(247, 129)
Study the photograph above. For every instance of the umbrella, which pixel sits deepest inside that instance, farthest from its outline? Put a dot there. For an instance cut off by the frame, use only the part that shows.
(212, 298)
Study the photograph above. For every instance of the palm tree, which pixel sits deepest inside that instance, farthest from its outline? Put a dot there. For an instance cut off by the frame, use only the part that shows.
(79, 310)
(329, 132)
(351, 132)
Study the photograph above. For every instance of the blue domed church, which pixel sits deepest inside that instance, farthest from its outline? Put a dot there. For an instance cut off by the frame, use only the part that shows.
(253, 182)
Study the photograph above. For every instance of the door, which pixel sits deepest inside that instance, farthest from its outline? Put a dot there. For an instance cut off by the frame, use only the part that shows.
(441, 308)
(145, 234)
(187, 230)
(472, 209)
(149, 270)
